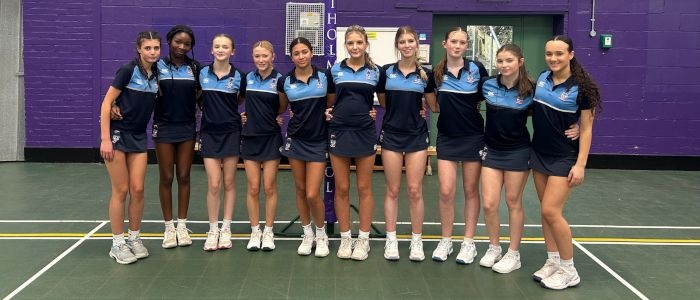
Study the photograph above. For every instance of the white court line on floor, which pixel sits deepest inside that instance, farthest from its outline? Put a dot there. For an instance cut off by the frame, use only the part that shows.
(54, 261)
(613, 273)
(375, 222)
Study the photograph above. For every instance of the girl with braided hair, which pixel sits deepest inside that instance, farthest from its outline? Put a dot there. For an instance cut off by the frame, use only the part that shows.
(564, 94)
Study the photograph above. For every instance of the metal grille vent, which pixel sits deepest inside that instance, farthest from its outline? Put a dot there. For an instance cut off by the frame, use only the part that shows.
(305, 20)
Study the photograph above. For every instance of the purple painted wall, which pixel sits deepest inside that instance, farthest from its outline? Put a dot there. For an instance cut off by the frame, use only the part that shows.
(648, 80)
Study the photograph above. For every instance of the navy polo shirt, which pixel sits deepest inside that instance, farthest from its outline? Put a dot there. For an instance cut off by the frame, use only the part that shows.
(262, 104)
(308, 103)
(354, 95)
(554, 109)
(137, 97)
(220, 100)
(176, 101)
(458, 98)
(404, 100)
(506, 116)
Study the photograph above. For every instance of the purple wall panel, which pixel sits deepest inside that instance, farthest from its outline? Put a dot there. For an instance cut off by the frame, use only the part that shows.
(648, 80)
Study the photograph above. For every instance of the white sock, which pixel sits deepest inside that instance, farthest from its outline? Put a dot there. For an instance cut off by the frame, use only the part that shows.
(169, 225)
(514, 252)
(118, 239)
(553, 256)
(468, 240)
(567, 263)
(181, 223)
(446, 239)
(391, 235)
(226, 225)
(364, 234)
(321, 231)
(416, 236)
(492, 246)
(308, 231)
(267, 229)
(346, 234)
(133, 234)
(255, 228)
(214, 227)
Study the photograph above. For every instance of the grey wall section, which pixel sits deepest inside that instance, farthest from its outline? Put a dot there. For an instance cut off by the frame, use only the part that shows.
(11, 82)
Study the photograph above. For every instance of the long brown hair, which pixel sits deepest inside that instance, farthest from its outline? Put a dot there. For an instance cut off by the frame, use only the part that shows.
(439, 70)
(361, 30)
(525, 84)
(416, 60)
(586, 86)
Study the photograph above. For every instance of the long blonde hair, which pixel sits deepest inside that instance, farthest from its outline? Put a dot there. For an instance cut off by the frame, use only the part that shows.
(416, 59)
(361, 30)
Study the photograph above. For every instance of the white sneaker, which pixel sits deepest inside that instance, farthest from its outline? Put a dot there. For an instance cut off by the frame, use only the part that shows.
(549, 268)
(345, 249)
(443, 250)
(416, 253)
(254, 242)
(212, 242)
(268, 240)
(361, 250)
(562, 279)
(225, 239)
(321, 246)
(391, 250)
(169, 238)
(307, 243)
(122, 254)
(137, 248)
(492, 255)
(467, 253)
(509, 263)
(183, 237)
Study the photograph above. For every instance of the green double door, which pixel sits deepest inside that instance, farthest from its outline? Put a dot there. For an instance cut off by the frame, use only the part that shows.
(530, 32)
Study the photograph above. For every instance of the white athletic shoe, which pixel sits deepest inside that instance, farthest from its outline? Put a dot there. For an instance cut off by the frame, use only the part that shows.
(416, 253)
(321, 246)
(255, 240)
(562, 279)
(345, 249)
(169, 238)
(492, 255)
(268, 240)
(467, 253)
(183, 237)
(307, 243)
(549, 268)
(212, 242)
(509, 263)
(122, 254)
(391, 250)
(443, 250)
(225, 239)
(361, 250)
(137, 248)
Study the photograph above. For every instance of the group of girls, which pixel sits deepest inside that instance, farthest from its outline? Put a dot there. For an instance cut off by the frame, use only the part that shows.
(332, 118)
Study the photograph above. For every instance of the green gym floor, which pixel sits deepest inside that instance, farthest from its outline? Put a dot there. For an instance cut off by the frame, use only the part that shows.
(637, 236)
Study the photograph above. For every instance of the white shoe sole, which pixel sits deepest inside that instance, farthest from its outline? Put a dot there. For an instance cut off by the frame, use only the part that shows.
(506, 271)
(573, 283)
(123, 262)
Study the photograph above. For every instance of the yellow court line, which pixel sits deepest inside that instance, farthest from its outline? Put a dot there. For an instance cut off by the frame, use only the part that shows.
(404, 236)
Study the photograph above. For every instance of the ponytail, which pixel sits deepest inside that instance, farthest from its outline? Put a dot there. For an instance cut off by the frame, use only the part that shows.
(586, 86)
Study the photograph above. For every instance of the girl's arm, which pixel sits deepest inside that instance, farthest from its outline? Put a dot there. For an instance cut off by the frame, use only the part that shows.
(431, 100)
(106, 150)
(577, 172)
(284, 101)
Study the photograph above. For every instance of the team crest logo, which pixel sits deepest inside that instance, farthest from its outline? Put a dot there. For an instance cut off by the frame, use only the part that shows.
(564, 96)
(470, 78)
(418, 80)
(332, 141)
(319, 84)
(518, 100)
(445, 77)
(340, 74)
(392, 75)
(164, 71)
(189, 71)
(138, 81)
(483, 153)
(368, 74)
(116, 136)
(229, 83)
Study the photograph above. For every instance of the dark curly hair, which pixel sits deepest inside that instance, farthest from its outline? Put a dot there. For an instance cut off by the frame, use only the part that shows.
(586, 86)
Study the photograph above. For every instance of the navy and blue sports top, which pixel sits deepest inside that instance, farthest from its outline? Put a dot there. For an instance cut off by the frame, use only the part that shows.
(554, 109)
(308, 104)
(404, 100)
(354, 95)
(262, 104)
(506, 116)
(176, 102)
(220, 100)
(458, 98)
(137, 97)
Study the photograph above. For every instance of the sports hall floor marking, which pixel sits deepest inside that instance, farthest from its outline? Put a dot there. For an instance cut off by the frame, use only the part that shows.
(613, 273)
(54, 261)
